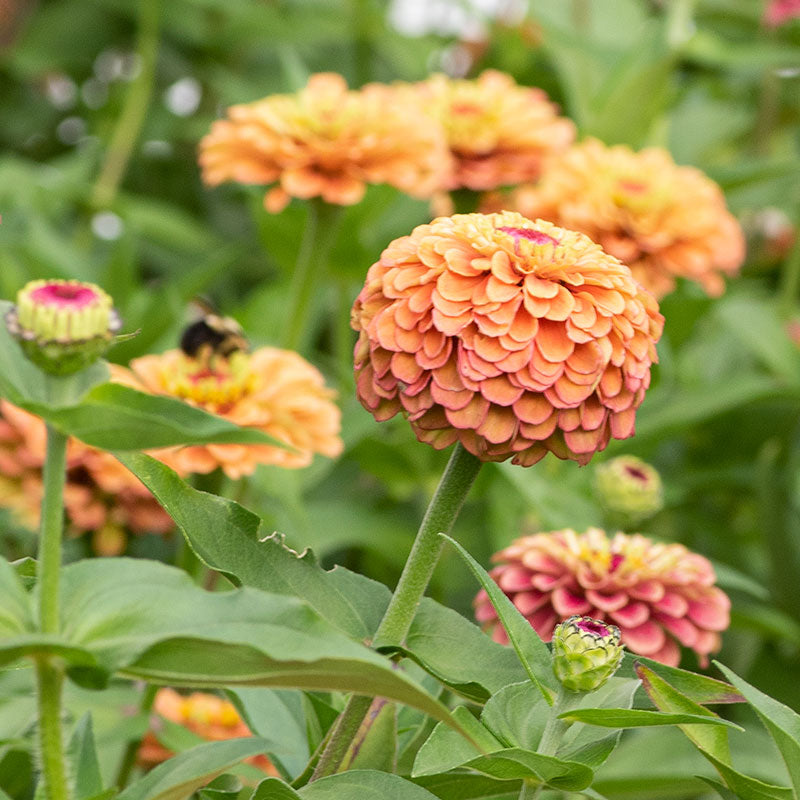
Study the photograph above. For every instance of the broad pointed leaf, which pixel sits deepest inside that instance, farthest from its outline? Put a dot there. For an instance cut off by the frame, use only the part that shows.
(82, 753)
(638, 718)
(781, 721)
(530, 649)
(274, 789)
(178, 777)
(363, 785)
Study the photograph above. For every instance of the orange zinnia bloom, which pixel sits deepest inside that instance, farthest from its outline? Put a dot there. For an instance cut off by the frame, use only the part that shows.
(208, 716)
(511, 336)
(327, 141)
(276, 391)
(662, 220)
(100, 495)
(498, 132)
(660, 595)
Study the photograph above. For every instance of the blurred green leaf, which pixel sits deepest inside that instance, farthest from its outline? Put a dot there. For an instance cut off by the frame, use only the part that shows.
(82, 754)
(363, 785)
(638, 718)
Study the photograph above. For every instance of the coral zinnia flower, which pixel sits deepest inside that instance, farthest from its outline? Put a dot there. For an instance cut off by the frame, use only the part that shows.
(327, 141)
(658, 594)
(206, 715)
(514, 337)
(498, 132)
(779, 12)
(100, 495)
(276, 391)
(662, 220)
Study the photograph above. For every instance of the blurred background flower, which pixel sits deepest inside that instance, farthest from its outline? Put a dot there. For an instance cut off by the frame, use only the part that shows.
(660, 595)
(662, 220)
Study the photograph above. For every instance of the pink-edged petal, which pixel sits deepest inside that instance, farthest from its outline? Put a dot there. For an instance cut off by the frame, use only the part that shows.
(672, 604)
(644, 639)
(711, 612)
(512, 578)
(529, 602)
(683, 630)
(566, 603)
(669, 654)
(607, 602)
(632, 615)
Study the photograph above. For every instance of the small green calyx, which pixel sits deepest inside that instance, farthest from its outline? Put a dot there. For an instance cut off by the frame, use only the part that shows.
(629, 489)
(62, 326)
(586, 653)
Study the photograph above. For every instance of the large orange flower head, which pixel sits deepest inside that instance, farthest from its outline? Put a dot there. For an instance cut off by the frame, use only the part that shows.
(514, 337)
(660, 595)
(662, 220)
(327, 141)
(498, 132)
(276, 391)
(100, 494)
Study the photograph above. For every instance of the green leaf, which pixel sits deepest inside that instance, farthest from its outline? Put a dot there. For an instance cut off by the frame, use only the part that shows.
(516, 715)
(638, 718)
(178, 777)
(530, 649)
(468, 786)
(781, 721)
(274, 789)
(710, 740)
(458, 653)
(149, 620)
(16, 615)
(723, 791)
(82, 754)
(277, 715)
(363, 785)
(378, 749)
(444, 749)
(698, 688)
(747, 788)
(116, 417)
(517, 763)
(229, 538)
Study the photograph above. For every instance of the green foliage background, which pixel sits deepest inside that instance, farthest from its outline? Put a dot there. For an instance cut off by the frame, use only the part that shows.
(703, 78)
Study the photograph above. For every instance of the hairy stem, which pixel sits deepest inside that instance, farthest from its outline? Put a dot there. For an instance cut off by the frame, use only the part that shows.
(458, 477)
(49, 679)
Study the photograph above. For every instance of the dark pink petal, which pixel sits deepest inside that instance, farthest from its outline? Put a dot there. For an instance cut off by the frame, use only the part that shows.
(512, 578)
(681, 629)
(672, 604)
(669, 654)
(608, 602)
(632, 615)
(528, 602)
(644, 639)
(566, 603)
(711, 612)
(651, 591)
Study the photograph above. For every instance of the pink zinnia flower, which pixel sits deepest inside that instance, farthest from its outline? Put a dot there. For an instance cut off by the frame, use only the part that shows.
(514, 337)
(660, 595)
(778, 12)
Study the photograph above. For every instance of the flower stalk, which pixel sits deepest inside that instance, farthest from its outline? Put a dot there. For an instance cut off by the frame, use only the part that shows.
(458, 477)
(49, 674)
(318, 239)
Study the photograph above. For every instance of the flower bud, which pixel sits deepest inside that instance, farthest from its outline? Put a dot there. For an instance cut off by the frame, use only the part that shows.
(629, 489)
(62, 326)
(586, 653)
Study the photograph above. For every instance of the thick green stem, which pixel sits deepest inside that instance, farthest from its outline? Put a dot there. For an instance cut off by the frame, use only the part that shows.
(49, 679)
(344, 732)
(52, 526)
(460, 474)
(318, 239)
(554, 731)
(129, 124)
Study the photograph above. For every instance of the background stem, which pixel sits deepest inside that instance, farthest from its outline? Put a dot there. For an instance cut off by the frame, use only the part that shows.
(130, 121)
(312, 258)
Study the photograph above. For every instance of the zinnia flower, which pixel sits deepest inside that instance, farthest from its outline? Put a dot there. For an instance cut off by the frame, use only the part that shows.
(206, 715)
(100, 495)
(327, 141)
(660, 595)
(662, 220)
(513, 337)
(778, 12)
(276, 391)
(498, 132)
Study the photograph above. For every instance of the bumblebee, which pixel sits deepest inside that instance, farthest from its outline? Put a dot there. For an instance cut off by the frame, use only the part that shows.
(213, 335)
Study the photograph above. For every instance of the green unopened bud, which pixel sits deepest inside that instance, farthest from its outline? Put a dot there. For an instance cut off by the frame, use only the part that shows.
(63, 326)
(629, 489)
(586, 653)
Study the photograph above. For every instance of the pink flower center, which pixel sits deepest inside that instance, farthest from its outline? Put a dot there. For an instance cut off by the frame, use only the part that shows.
(593, 626)
(537, 237)
(633, 187)
(64, 295)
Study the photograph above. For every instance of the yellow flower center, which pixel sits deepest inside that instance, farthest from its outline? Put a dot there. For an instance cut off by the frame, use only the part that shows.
(216, 383)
